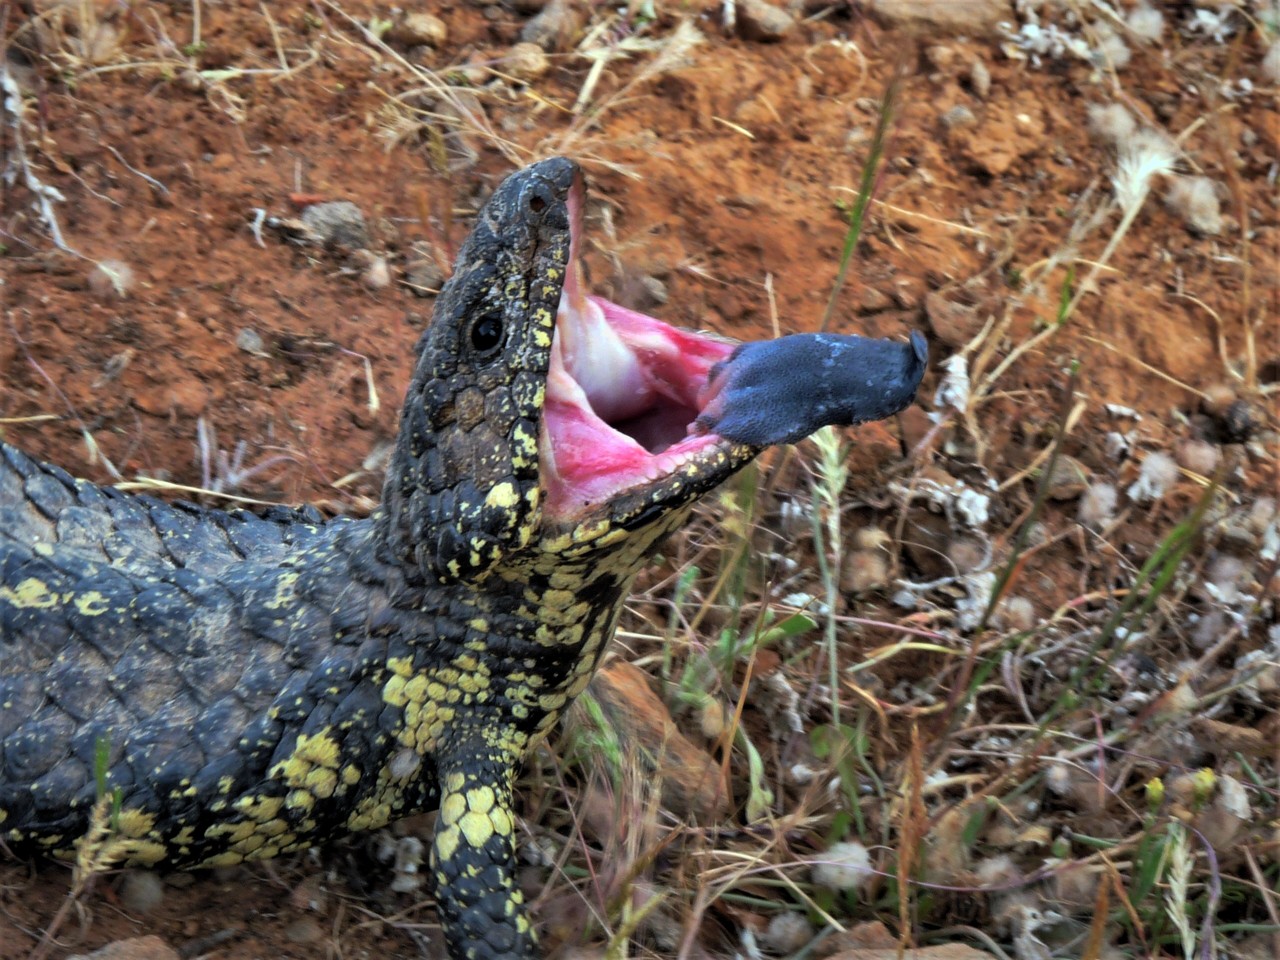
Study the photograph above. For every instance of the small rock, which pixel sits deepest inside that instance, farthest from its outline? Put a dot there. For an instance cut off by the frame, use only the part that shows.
(655, 290)
(940, 57)
(1020, 613)
(871, 300)
(525, 62)
(374, 273)
(864, 571)
(1239, 422)
(959, 116)
(1198, 456)
(337, 224)
(763, 22)
(1217, 399)
(135, 948)
(141, 891)
(424, 276)
(980, 78)
(1271, 62)
(556, 27)
(419, 30)
(974, 18)
(1195, 199)
(967, 554)
(955, 324)
(304, 930)
(250, 341)
(1069, 480)
(1261, 513)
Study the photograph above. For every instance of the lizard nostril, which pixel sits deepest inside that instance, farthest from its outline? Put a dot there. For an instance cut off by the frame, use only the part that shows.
(537, 204)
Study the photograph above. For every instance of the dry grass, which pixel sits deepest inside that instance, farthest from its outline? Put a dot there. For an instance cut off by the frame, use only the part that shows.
(1095, 776)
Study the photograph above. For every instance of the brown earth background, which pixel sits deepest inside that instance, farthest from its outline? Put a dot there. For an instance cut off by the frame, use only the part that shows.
(722, 174)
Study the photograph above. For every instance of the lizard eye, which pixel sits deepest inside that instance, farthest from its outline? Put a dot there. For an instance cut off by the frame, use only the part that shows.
(486, 335)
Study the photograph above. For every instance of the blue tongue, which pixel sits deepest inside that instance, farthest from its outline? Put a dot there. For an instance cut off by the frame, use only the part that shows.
(780, 391)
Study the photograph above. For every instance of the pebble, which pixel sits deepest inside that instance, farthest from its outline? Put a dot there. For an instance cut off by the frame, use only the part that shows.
(525, 62)
(974, 18)
(1198, 456)
(980, 78)
(1239, 422)
(250, 341)
(955, 324)
(135, 948)
(1020, 613)
(304, 930)
(763, 22)
(1217, 399)
(968, 554)
(141, 891)
(654, 289)
(376, 275)
(337, 223)
(419, 30)
(864, 571)
(556, 27)
(1070, 479)
(958, 116)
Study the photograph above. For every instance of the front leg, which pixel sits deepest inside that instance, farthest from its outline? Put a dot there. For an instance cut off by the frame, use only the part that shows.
(473, 856)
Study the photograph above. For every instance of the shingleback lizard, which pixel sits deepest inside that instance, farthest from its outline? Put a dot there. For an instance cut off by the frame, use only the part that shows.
(259, 683)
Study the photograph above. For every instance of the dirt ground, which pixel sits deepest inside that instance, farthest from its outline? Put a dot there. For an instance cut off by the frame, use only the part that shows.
(171, 313)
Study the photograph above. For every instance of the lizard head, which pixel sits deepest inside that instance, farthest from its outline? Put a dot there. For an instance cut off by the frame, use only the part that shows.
(540, 416)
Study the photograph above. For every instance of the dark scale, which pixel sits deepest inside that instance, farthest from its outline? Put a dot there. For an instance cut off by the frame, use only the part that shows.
(259, 684)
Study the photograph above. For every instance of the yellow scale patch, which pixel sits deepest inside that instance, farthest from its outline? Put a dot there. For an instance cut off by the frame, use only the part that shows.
(31, 594)
(284, 592)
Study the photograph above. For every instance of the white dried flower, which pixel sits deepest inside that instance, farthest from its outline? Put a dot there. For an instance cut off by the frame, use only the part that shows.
(1098, 505)
(1157, 475)
(1146, 22)
(1117, 445)
(1111, 123)
(1146, 155)
(953, 391)
(1271, 62)
(787, 934)
(1195, 199)
(1111, 50)
(111, 279)
(1214, 25)
(844, 866)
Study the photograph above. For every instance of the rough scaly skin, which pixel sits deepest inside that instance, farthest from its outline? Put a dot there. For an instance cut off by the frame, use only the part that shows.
(262, 683)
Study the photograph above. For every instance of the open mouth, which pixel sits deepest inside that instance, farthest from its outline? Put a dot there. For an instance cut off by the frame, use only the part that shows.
(624, 391)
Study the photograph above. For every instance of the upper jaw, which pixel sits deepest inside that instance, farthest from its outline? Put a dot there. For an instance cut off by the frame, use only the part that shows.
(624, 393)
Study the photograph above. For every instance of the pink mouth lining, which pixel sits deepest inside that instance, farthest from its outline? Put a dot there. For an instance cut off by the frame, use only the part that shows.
(623, 393)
